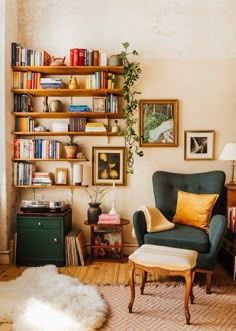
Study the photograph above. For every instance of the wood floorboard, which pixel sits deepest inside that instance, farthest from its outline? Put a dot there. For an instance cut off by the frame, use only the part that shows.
(95, 273)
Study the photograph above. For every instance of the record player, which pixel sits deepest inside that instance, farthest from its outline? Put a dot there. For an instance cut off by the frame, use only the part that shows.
(43, 206)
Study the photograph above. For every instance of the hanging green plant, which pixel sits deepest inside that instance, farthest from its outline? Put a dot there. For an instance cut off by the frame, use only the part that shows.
(130, 72)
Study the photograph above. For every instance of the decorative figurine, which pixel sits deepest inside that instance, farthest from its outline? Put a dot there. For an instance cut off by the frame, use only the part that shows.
(45, 105)
(57, 61)
(115, 128)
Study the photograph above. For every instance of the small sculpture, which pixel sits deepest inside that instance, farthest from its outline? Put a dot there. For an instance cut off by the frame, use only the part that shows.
(73, 83)
(115, 128)
(45, 105)
(57, 61)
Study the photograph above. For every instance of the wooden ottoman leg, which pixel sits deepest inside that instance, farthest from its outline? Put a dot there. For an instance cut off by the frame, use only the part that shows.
(188, 279)
(144, 279)
(131, 283)
(191, 294)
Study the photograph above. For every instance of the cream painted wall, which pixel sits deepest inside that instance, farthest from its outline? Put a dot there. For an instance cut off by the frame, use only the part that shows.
(187, 51)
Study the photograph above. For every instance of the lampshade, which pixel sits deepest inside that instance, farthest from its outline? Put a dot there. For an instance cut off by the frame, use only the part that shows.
(228, 152)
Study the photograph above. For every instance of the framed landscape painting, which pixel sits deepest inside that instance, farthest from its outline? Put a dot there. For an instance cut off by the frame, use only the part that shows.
(158, 125)
(199, 145)
(108, 165)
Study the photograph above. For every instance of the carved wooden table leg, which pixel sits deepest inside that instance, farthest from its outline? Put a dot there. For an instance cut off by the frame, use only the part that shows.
(131, 283)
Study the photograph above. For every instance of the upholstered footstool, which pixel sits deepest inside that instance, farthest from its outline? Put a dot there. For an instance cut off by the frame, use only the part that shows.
(163, 260)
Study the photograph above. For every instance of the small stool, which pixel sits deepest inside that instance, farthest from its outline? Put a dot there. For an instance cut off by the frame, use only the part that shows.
(163, 260)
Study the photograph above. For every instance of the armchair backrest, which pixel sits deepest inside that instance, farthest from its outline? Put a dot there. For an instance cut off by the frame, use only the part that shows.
(166, 184)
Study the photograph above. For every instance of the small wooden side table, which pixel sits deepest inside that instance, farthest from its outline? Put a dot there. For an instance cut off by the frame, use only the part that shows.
(106, 241)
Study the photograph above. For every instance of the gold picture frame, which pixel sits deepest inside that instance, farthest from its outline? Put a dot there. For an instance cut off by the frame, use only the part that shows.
(199, 145)
(158, 126)
(61, 176)
(99, 104)
(108, 165)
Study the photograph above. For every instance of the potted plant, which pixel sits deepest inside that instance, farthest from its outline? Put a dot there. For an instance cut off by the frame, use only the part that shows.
(71, 148)
(96, 194)
(130, 72)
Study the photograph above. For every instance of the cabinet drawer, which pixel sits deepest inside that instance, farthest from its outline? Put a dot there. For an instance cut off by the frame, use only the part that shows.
(38, 223)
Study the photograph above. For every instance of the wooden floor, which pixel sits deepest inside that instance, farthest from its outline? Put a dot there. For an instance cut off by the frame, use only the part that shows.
(96, 273)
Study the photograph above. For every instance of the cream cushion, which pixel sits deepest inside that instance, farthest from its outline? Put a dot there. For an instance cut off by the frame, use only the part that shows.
(168, 258)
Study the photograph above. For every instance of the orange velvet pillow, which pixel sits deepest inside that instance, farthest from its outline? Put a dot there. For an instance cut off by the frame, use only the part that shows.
(194, 209)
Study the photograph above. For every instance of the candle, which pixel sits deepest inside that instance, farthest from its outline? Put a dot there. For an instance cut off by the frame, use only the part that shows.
(78, 174)
(113, 190)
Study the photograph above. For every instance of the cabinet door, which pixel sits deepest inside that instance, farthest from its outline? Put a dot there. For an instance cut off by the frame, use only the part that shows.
(39, 245)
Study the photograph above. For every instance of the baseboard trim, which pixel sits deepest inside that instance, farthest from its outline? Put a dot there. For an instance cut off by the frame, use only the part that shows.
(4, 257)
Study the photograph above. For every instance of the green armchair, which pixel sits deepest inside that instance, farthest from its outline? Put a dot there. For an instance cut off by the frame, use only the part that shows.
(207, 244)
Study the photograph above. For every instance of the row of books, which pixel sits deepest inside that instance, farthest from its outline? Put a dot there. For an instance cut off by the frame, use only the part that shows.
(231, 219)
(77, 124)
(100, 80)
(26, 80)
(87, 57)
(23, 103)
(22, 173)
(21, 56)
(25, 124)
(37, 148)
(75, 248)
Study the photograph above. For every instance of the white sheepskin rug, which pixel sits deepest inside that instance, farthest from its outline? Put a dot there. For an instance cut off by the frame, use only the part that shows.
(43, 300)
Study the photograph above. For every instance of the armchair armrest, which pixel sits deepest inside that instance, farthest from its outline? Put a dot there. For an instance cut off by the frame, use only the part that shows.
(140, 227)
(217, 230)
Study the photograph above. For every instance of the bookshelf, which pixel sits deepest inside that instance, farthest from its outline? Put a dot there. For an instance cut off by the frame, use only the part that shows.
(51, 117)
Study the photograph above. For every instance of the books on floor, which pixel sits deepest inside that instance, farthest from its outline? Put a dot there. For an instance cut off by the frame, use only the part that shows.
(75, 248)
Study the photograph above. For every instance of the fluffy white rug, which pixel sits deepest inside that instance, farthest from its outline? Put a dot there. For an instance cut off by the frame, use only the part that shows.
(43, 300)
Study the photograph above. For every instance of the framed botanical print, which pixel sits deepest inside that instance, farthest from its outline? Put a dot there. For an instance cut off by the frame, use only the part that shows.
(158, 125)
(108, 165)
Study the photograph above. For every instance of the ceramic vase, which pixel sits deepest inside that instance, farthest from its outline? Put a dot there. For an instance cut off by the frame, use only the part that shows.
(94, 210)
(71, 152)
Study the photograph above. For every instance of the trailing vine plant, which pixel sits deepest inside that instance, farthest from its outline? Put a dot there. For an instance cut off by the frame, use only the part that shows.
(130, 72)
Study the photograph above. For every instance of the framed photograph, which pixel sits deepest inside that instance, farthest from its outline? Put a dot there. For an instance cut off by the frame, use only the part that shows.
(61, 176)
(199, 145)
(158, 126)
(108, 165)
(99, 104)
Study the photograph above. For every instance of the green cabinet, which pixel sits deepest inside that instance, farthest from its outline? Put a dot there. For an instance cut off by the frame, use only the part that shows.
(41, 238)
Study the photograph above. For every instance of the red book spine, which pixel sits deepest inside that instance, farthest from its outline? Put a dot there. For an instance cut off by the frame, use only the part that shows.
(76, 57)
(95, 57)
(17, 148)
(81, 56)
(71, 57)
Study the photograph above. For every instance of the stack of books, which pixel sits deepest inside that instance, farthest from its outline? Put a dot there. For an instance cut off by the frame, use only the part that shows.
(51, 82)
(95, 127)
(109, 219)
(78, 108)
(42, 178)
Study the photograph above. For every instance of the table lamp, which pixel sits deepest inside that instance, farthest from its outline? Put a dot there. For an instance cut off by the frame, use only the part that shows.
(229, 153)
